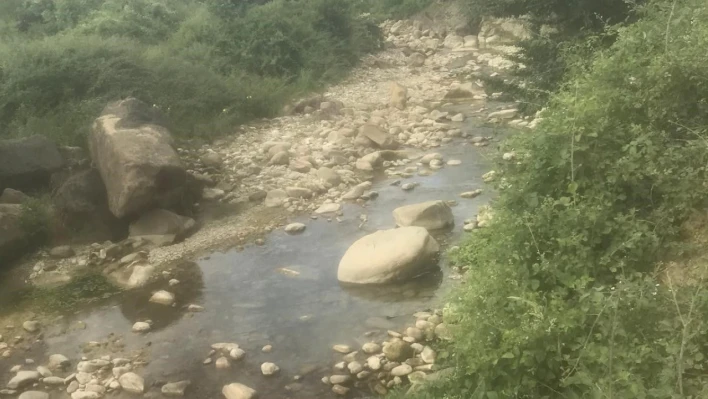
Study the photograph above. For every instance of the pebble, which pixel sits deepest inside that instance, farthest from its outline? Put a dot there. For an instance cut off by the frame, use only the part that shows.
(222, 363)
(355, 367)
(374, 363)
(454, 162)
(371, 348)
(175, 388)
(295, 228)
(339, 379)
(73, 387)
(341, 366)
(342, 348)
(238, 391)
(141, 327)
(45, 372)
(31, 326)
(340, 390)
(237, 354)
(53, 381)
(173, 282)
(195, 308)
(269, 369)
(267, 349)
(131, 382)
(471, 194)
(163, 298)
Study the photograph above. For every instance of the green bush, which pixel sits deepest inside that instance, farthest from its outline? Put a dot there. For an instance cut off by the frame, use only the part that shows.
(562, 297)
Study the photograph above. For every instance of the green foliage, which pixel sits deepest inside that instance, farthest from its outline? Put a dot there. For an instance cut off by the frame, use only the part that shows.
(562, 299)
(36, 220)
(61, 61)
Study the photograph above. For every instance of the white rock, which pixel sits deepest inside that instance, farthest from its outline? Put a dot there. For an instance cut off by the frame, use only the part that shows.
(268, 368)
(23, 378)
(342, 348)
(195, 308)
(31, 326)
(163, 298)
(295, 228)
(175, 388)
(238, 391)
(458, 118)
(131, 382)
(388, 255)
(374, 363)
(141, 327)
(33, 395)
(431, 215)
(454, 162)
(237, 354)
(401, 370)
(371, 348)
(53, 381)
(504, 114)
(44, 371)
(222, 363)
(355, 367)
(428, 355)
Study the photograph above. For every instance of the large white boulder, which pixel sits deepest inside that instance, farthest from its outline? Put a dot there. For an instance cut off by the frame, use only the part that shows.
(431, 215)
(388, 255)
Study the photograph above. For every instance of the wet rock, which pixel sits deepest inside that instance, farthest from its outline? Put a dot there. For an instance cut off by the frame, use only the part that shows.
(329, 176)
(238, 391)
(31, 326)
(269, 369)
(85, 395)
(267, 349)
(44, 371)
(454, 162)
(471, 194)
(224, 346)
(342, 349)
(162, 222)
(398, 96)
(275, 198)
(131, 382)
(10, 196)
(408, 186)
(428, 355)
(398, 351)
(355, 367)
(53, 381)
(425, 160)
(33, 395)
(135, 156)
(357, 191)
(213, 194)
(222, 363)
(371, 348)
(298, 192)
(237, 354)
(388, 255)
(340, 379)
(163, 298)
(378, 137)
(340, 390)
(328, 208)
(28, 162)
(295, 228)
(431, 215)
(504, 114)
(415, 333)
(195, 308)
(175, 388)
(141, 327)
(374, 363)
(402, 370)
(341, 366)
(509, 156)
(16, 368)
(23, 379)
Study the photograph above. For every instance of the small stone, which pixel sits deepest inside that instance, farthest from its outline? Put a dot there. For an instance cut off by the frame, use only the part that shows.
(16, 368)
(44, 371)
(207, 361)
(341, 366)
(222, 363)
(53, 381)
(237, 354)
(454, 162)
(398, 351)
(428, 355)
(131, 382)
(458, 118)
(374, 363)
(31, 326)
(295, 228)
(415, 333)
(355, 367)
(340, 379)
(267, 349)
(340, 390)
(238, 391)
(83, 378)
(173, 282)
(408, 186)
(73, 387)
(269, 369)
(99, 389)
(362, 375)
(471, 194)
(328, 208)
(350, 357)
(23, 378)
(195, 308)
(163, 298)
(417, 347)
(175, 388)
(402, 370)
(33, 395)
(371, 348)
(85, 395)
(342, 348)
(141, 327)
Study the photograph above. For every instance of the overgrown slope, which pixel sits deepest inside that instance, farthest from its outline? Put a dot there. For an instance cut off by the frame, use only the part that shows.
(564, 296)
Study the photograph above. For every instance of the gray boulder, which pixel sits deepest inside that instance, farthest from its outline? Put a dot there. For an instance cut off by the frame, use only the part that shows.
(134, 154)
(431, 215)
(159, 222)
(28, 162)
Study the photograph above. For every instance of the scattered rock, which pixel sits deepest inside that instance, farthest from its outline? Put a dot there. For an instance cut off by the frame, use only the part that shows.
(398, 351)
(431, 215)
(454, 162)
(329, 176)
(428, 355)
(355, 367)
(374, 363)
(195, 308)
(275, 198)
(175, 388)
(212, 159)
(269, 369)
(237, 354)
(141, 327)
(371, 348)
(295, 228)
(163, 297)
(131, 382)
(401, 370)
(85, 395)
(471, 194)
(388, 255)
(31, 326)
(416, 60)
(238, 391)
(408, 186)
(340, 379)
(23, 379)
(458, 118)
(53, 381)
(33, 395)
(44, 371)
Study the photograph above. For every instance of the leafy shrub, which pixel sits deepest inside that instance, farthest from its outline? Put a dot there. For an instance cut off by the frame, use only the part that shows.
(563, 298)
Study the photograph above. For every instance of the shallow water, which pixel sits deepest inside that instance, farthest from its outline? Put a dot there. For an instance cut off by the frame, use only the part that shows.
(251, 301)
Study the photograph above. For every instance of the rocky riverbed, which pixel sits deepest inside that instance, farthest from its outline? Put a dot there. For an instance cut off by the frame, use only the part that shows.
(289, 197)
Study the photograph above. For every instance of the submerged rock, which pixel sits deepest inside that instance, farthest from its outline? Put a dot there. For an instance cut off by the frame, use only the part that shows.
(238, 391)
(431, 215)
(163, 298)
